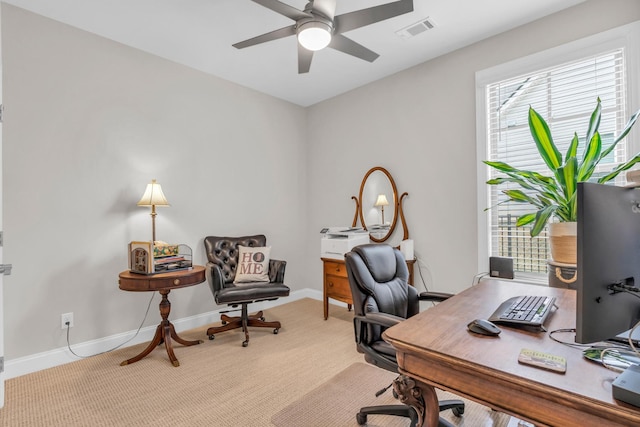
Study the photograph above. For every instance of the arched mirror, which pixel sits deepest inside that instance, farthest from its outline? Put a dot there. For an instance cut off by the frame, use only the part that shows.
(378, 205)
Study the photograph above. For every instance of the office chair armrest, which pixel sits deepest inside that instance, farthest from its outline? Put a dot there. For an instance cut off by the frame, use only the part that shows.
(380, 319)
(276, 270)
(360, 323)
(216, 281)
(434, 296)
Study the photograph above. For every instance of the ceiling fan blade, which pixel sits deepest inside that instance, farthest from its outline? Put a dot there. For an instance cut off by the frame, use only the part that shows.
(267, 37)
(326, 8)
(283, 9)
(304, 59)
(360, 18)
(346, 45)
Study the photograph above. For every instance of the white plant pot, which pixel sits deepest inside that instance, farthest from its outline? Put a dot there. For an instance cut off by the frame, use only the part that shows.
(563, 237)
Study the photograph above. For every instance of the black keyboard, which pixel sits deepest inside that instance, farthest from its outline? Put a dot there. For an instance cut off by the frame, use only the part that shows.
(525, 310)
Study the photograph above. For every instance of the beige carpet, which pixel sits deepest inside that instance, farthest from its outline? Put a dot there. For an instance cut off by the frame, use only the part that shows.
(218, 383)
(336, 402)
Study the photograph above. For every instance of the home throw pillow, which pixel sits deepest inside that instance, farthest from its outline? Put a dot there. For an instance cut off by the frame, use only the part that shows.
(253, 264)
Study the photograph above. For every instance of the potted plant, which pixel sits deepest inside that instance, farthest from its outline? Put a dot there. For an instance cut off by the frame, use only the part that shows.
(554, 195)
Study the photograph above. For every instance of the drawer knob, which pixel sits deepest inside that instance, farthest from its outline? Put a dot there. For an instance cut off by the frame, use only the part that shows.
(176, 281)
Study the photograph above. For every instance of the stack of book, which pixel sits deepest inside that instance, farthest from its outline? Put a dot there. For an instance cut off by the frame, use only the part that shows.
(171, 263)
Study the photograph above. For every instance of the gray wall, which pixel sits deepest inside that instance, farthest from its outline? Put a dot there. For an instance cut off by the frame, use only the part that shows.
(89, 122)
(420, 124)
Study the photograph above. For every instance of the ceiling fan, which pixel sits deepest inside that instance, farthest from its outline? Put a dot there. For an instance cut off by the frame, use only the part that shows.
(316, 27)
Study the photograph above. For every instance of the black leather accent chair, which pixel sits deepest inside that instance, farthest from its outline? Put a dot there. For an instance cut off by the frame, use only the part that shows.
(382, 297)
(222, 254)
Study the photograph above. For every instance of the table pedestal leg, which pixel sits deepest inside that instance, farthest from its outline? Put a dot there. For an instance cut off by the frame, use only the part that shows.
(164, 333)
(421, 397)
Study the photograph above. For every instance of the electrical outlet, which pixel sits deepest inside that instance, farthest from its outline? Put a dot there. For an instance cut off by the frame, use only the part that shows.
(64, 318)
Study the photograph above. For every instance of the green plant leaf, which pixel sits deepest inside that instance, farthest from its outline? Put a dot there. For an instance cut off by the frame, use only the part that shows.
(527, 179)
(542, 217)
(572, 151)
(542, 137)
(591, 157)
(497, 204)
(625, 131)
(573, 208)
(621, 168)
(627, 127)
(594, 121)
(525, 219)
(569, 175)
(518, 196)
(498, 181)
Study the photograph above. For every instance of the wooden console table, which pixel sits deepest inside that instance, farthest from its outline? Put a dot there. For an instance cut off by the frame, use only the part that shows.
(163, 283)
(336, 282)
(434, 349)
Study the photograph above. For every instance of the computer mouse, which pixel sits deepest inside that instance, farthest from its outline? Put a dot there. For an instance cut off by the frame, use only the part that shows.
(483, 327)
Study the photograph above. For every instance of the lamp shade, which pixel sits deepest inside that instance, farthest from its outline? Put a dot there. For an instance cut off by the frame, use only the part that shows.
(314, 35)
(153, 196)
(382, 200)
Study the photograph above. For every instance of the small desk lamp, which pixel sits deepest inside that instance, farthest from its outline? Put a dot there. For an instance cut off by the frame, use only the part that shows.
(153, 196)
(382, 202)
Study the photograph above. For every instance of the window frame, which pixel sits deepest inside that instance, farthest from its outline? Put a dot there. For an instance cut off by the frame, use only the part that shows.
(627, 37)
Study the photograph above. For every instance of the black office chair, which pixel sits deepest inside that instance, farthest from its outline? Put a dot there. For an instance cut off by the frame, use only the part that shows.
(222, 253)
(382, 297)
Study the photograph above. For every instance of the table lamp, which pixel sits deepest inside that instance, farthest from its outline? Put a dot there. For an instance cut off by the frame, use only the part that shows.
(153, 196)
(382, 202)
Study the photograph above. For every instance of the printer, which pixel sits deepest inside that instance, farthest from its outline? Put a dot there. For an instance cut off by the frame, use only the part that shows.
(337, 241)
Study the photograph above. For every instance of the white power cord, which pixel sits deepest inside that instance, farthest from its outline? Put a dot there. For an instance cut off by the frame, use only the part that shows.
(119, 345)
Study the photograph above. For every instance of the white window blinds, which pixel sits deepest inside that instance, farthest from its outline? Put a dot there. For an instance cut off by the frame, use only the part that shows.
(565, 96)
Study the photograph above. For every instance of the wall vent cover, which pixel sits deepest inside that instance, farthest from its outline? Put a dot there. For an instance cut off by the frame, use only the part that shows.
(416, 28)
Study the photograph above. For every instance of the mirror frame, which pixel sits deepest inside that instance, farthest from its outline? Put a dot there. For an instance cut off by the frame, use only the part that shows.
(397, 207)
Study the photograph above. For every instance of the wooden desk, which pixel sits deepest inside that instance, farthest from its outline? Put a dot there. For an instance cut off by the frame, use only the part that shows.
(162, 283)
(434, 348)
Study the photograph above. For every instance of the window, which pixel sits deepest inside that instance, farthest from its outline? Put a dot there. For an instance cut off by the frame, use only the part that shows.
(565, 94)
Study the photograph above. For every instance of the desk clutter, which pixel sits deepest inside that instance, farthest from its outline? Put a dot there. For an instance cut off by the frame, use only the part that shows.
(159, 257)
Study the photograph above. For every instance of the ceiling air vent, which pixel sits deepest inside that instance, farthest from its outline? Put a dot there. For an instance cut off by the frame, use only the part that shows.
(417, 28)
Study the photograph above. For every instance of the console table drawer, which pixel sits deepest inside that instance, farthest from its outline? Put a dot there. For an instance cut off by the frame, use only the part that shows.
(336, 269)
(338, 288)
(136, 282)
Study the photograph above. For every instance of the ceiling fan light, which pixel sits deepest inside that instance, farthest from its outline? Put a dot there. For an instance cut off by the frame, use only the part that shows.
(314, 35)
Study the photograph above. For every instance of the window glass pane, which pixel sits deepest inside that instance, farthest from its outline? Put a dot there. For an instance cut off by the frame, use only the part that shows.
(565, 96)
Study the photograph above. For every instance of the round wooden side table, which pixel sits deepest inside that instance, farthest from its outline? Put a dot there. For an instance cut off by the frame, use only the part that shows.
(163, 283)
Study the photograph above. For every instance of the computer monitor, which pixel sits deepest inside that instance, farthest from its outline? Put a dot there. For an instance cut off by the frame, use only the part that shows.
(608, 254)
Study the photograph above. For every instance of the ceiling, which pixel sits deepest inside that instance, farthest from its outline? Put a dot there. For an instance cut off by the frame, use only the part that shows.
(199, 34)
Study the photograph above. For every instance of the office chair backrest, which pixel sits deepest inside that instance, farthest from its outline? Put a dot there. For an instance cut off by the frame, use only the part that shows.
(378, 278)
(223, 251)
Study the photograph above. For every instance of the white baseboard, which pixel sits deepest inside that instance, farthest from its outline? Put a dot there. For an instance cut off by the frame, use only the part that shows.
(60, 356)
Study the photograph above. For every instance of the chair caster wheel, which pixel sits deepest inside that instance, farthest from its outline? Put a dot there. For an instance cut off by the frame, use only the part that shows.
(361, 419)
(245, 343)
(275, 331)
(458, 412)
(211, 337)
